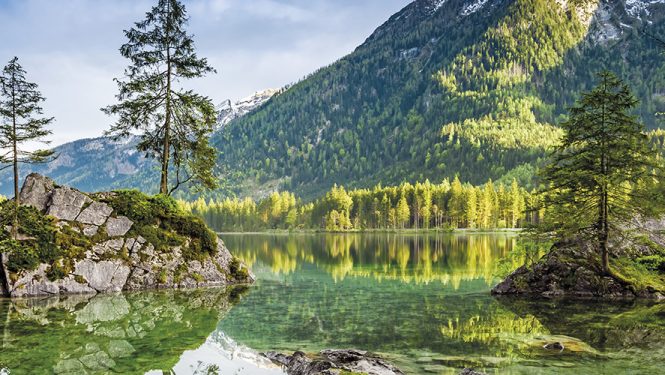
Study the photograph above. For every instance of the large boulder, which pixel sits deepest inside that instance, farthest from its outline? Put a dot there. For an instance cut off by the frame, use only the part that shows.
(101, 249)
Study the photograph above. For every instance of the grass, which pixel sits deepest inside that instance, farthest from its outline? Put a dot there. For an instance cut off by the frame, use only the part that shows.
(638, 274)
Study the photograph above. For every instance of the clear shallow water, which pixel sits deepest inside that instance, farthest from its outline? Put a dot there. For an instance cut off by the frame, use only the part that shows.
(422, 301)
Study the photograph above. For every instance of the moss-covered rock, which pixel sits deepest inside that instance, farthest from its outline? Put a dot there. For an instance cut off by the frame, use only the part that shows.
(73, 242)
(573, 269)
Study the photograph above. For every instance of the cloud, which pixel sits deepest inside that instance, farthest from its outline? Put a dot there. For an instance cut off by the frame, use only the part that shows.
(70, 47)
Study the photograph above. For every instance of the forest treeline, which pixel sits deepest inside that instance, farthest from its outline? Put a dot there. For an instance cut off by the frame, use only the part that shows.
(424, 205)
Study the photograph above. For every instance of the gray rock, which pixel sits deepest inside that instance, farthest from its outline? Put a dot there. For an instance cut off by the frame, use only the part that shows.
(69, 366)
(66, 203)
(332, 361)
(37, 191)
(104, 276)
(98, 361)
(112, 247)
(118, 226)
(69, 285)
(90, 230)
(468, 371)
(103, 308)
(99, 270)
(96, 214)
(120, 349)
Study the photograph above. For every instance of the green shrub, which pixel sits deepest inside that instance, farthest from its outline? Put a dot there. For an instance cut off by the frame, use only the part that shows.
(198, 277)
(238, 272)
(161, 221)
(653, 262)
(56, 272)
(162, 276)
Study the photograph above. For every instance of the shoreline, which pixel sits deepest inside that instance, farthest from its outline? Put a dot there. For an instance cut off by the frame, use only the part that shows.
(380, 231)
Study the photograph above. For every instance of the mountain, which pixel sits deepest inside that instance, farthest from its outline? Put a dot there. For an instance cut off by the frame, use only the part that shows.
(99, 164)
(473, 88)
(229, 111)
(87, 164)
(446, 87)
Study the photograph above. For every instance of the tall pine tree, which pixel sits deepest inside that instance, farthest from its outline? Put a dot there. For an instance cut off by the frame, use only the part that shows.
(594, 175)
(175, 123)
(20, 123)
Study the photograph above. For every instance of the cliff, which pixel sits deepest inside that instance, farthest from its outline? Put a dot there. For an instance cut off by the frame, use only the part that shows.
(71, 242)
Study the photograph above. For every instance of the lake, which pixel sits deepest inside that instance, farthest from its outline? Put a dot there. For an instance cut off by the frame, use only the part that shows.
(422, 301)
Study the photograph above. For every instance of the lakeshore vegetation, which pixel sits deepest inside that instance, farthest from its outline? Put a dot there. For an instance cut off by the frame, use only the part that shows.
(448, 205)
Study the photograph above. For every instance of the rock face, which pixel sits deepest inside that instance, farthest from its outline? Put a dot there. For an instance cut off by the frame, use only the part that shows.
(229, 111)
(331, 362)
(569, 270)
(117, 259)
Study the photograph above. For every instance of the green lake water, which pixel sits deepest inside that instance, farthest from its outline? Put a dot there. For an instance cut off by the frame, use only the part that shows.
(421, 301)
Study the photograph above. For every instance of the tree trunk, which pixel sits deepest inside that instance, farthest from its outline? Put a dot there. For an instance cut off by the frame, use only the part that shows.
(166, 151)
(4, 280)
(605, 233)
(17, 202)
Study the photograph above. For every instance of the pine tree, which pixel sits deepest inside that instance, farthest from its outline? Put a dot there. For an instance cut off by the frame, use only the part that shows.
(175, 123)
(20, 111)
(593, 174)
(403, 212)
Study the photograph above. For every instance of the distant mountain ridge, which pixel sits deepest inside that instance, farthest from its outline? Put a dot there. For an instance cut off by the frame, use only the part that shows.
(98, 164)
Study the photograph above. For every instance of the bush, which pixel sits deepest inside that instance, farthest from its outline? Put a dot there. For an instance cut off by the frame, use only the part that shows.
(653, 262)
(238, 272)
(161, 221)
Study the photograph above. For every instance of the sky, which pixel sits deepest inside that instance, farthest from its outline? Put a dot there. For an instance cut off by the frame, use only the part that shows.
(70, 47)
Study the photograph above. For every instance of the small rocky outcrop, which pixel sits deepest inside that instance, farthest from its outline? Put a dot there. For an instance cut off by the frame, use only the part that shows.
(334, 362)
(572, 269)
(107, 242)
(468, 371)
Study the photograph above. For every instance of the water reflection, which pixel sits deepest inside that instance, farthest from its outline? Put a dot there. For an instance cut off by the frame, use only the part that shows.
(122, 333)
(423, 301)
(418, 259)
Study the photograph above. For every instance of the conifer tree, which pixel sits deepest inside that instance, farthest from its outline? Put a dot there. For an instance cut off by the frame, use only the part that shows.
(403, 212)
(20, 123)
(175, 123)
(593, 175)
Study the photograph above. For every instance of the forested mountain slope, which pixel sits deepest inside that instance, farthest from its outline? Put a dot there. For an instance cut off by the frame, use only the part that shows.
(473, 88)
(468, 87)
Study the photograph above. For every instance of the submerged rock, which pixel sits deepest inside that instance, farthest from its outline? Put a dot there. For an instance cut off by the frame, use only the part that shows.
(333, 362)
(92, 246)
(468, 371)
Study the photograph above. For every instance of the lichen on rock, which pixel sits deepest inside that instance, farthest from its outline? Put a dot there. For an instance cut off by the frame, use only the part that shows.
(72, 242)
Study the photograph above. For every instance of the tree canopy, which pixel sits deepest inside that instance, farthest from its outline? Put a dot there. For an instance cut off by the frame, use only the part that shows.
(175, 123)
(604, 172)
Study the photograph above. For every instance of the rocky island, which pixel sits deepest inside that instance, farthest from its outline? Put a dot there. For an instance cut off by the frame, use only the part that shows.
(72, 242)
(573, 269)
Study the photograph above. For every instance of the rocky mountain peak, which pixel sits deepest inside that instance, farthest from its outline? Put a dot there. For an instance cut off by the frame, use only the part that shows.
(229, 111)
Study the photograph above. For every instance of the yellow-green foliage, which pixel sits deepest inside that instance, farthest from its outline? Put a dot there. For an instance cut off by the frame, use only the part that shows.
(424, 205)
(640, 273)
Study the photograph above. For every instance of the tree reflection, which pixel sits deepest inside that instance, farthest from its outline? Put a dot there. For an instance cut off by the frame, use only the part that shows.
(422, 259)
